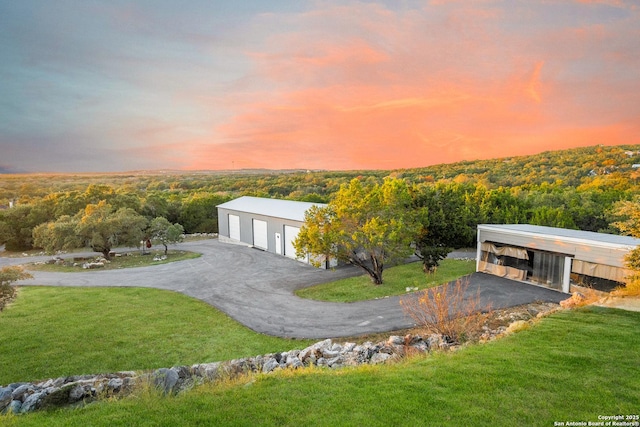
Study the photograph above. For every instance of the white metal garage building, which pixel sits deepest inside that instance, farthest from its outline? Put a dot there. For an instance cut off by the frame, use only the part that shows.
(553, 257)
(268, 224)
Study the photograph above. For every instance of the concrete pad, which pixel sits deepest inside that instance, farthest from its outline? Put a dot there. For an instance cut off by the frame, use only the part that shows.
(623, 303)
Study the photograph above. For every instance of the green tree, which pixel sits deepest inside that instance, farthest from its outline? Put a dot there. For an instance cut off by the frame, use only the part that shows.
(68, 203)
(102, 229)
(95, 193)
(628, 212)
(162, 230)
(124, 199)
(17, 228)
(57, 235)
(629, 224)
(433, 242)
(501, 206)
(5, 231)
(365, 225)
(97, 226)
(155, 205)
(552, 217)
(447, 222)
(199, 213)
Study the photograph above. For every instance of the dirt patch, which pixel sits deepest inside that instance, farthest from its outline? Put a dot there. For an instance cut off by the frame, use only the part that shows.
(623, 303)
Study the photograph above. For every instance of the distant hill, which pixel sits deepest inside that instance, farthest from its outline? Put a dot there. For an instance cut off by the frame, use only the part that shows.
(569, 166)
(575, 188)
(4, 169)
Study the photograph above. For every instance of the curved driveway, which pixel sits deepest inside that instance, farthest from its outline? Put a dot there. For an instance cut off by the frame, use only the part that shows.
(256, 289)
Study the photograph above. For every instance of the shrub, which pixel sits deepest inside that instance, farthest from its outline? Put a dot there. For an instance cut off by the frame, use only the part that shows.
(631, 288)
(8, 275)
(449, 310)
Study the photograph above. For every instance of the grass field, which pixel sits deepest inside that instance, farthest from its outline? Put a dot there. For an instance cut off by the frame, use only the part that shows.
(396, 281)
(56, 331)
(571, 366)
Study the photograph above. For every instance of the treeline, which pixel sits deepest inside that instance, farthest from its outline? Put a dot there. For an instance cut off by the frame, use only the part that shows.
(570, 188)
(195, 211)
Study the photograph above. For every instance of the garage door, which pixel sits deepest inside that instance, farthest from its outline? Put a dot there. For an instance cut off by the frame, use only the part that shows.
(260, 234)
(234, 227)
(290, 234)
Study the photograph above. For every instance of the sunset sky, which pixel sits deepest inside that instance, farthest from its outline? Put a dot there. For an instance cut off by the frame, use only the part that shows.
(108, 85)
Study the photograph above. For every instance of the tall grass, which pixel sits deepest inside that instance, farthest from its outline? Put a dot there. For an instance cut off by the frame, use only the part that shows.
(446, 310)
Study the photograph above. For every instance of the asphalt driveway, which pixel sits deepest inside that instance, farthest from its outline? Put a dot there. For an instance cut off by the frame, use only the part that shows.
(256, 289)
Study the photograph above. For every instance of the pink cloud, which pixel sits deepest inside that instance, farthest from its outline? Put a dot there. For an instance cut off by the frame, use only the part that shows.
(616, 3)
(393, 89)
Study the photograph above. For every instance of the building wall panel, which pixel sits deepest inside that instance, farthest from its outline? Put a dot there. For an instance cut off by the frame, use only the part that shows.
(587, 252)
(274, 225)
(260, 234)
(223, 223)
(249, 209)
(234, 226)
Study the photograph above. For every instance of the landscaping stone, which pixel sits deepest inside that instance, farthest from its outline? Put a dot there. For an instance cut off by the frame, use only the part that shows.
(336, 347)
(434, 341)
(14, 407)
(379, 358)
(5, 397)
(395, 340)
(294, 362)
(421, 347)
(328, 354)
(336, 362)
(166, 379)
(208, 371)
(183, 372)
(32, 402)
(77, 393)
(270, 365)
(57, 396)
(348, 347)
(115, 385)
(46, 384)
(20, 391)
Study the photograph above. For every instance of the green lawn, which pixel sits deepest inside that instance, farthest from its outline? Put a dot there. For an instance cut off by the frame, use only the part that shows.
(132, 259)
(571, 366)
(56, 331)
(396, 281)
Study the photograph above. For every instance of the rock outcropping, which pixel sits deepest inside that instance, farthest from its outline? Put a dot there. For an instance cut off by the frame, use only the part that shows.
(74, 390)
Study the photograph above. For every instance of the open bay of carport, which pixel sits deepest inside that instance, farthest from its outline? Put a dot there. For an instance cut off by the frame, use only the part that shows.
(256, 289)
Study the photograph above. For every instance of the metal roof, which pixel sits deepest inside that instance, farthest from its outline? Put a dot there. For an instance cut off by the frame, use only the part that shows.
(277, 208)
(566, 234)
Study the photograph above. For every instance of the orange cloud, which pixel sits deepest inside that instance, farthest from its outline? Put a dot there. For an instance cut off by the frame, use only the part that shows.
(533, 87)
(392, 89)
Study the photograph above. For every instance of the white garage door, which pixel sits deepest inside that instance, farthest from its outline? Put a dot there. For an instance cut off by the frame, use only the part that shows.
(290, 234)
(234, 227)
(260, 234)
